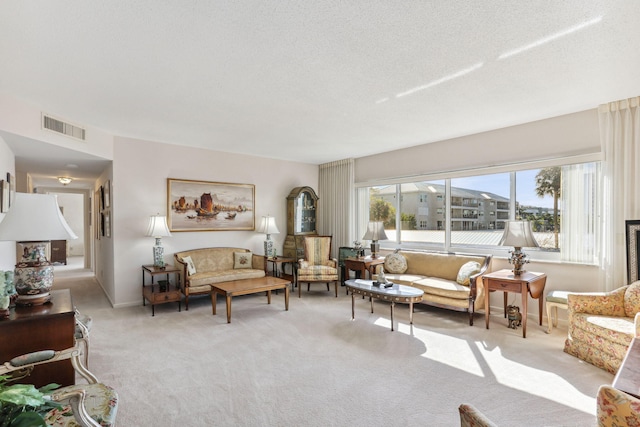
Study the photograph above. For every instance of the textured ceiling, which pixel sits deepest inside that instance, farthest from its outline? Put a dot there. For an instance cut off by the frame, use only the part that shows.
(316, 81)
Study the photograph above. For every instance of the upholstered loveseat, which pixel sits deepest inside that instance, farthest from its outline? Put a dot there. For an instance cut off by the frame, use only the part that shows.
(602, 325)
(203, 267)
(441, 276)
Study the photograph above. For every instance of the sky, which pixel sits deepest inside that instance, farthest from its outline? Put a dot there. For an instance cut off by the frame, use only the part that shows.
(499, 184)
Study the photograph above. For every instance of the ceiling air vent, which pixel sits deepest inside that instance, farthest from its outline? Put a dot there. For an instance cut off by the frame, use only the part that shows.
(59, 126)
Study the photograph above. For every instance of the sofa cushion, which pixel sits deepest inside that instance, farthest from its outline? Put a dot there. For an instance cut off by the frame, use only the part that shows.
(395, 263)
(242, 260)
(442, 287)
(318, 273)
(632, 299)
(442, 265)
(210, 277)
(616, 329)
(401, 279)
(467, 270)
(191, 267)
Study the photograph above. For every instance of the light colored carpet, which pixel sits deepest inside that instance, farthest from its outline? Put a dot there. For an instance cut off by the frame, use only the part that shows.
(314, 366)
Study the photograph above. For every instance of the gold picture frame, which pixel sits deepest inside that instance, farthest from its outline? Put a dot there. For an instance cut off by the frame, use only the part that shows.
(209, 206)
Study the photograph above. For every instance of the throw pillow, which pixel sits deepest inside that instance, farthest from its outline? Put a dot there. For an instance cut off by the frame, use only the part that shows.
(242, 260)
(191, 267)
(395, 263)
(466, 271)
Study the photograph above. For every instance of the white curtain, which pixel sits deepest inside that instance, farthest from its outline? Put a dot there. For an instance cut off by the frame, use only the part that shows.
(620, 138)
(362, 212)
(579, 231)
(337, 205)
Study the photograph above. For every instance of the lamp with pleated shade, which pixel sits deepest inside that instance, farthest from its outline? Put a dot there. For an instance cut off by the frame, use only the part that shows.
(158, 228)
(519, 235)
(32, 221)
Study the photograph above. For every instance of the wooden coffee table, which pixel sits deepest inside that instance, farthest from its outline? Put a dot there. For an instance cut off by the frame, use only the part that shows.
(394, 294)
(249, 286)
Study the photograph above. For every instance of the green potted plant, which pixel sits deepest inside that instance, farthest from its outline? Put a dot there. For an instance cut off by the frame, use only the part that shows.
(23, 405)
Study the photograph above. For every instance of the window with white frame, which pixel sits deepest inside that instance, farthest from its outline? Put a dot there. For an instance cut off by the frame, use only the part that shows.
(561, 202)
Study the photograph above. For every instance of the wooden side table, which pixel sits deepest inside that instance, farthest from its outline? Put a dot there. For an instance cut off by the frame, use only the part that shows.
(527, 283)
(278, 270)
(361, 265)
(154, 294)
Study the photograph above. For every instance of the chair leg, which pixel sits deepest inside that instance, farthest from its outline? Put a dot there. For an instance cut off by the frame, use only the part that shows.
(336, 286)
(328, 286)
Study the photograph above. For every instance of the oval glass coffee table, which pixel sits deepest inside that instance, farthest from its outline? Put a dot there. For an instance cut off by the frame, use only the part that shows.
(393, 294)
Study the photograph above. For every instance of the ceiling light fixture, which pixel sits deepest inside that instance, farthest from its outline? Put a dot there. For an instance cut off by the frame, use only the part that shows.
(551, 37)
(64, 180)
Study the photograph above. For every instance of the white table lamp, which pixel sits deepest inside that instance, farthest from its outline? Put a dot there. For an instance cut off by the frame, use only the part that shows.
(158, 228)
(519, 235)
(32, 221)
(268, 227)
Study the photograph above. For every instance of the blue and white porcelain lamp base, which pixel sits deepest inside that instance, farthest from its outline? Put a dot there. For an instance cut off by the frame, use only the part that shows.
(158, 254)
(268, 247)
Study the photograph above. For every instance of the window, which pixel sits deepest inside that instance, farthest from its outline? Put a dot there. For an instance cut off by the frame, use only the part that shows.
(419, 221)
(560, 201)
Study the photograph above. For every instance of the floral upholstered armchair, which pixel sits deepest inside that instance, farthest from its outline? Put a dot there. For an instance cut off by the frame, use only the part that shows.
(317, 265)
(85, 405)
(617, 408)
(602, 325)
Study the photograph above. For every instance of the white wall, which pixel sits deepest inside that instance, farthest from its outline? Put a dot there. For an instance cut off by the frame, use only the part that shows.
(139, 189)
(73, 211)
(568, 135)
(7, 164)
(24, 119)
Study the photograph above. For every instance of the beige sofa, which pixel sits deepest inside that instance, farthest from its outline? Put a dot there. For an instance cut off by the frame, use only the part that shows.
(436, 274)
(215, 265)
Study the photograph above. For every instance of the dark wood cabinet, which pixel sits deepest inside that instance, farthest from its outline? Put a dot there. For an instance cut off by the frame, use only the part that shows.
(58, 252)
(50, 326)
(302, 207)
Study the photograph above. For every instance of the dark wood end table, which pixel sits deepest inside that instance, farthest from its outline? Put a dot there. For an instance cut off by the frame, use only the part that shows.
(154, 294)
(627, 378)
(361, 265)
(527, 283)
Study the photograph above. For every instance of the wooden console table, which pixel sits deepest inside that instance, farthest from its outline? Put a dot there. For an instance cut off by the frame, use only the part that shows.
(50, 326)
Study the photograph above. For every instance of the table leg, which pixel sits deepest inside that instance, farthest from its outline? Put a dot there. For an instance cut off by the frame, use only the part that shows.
(286, 298)
(540, 309)
(269, 296)
(214, 300)
(411, 313)
(371, 301)
(505, 304)
(228, 308)
(525, 299)
(353, 303)
(392, 305)
(486, 305)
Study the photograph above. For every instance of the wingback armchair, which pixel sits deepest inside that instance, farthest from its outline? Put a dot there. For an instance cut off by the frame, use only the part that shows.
(602, 325)
(317, 265)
